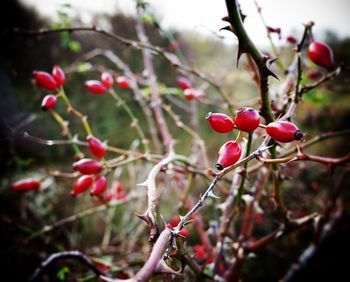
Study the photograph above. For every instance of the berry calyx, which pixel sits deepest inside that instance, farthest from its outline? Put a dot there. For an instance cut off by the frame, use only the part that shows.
(247, 119)
(87, 166)
(220, 122)
(284, 131)
(107, 79)
(123, 82)
(49, 102)
(95, 87)
(27, 184)
(45, 80)
(183, 83)
(82, 184)
(99, 186)
(321, 54)
(58, 75)
(228, 155)
(96, 146)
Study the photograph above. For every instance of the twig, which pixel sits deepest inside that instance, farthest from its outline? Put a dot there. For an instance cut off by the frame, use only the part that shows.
(134, 120)
(152, 80)
(77, 216)
(76, 255)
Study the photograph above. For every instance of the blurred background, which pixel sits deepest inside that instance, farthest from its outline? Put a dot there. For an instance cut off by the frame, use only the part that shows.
(194, 29)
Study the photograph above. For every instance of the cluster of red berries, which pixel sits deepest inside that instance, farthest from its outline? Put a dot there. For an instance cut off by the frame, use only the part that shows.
(189, 92)
(101, 87)
(247, 120)
(89, 167)
(50, 82)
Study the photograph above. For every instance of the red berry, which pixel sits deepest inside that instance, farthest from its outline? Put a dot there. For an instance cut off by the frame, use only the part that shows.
(174, 221)
(291, 39)
(123, 82)
(314, 74)
(119, 191)
(49, 102)
(321, 54)
(45, 80)
(107, 79)
(247, 119)
(189, 94)
(27, 184)
(87, 166)
(183, 83)
(82, 184)
(95, 87)
(229, 154)
(58, 75)
(96, 146)
(116, 193)
(220, 122)
(199, 252)
(100, 185)
(184, 232)
(283, 131)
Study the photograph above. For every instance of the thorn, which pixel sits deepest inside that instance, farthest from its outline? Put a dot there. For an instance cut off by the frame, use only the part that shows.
(212, 195)
(247, 199)
(162, 218)
(269, 62)
(241, 51)
(162, 267)
(145, 218)
(226, 28)
(145, 183)
(225, 19)
(292, 160)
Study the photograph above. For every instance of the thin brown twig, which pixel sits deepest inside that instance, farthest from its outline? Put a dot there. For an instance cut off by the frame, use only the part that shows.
(76, 255)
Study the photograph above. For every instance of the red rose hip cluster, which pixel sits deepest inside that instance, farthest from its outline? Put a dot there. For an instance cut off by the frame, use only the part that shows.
(247, 120)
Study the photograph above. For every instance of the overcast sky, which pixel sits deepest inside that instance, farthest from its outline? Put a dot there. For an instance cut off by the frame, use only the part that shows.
(204, 15)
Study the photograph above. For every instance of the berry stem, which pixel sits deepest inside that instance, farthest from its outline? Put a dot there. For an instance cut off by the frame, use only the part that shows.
(134, 120)
(70, 109)
(238, 198)
(65, 131)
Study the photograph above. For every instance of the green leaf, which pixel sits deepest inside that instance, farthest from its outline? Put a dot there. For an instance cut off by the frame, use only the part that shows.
(62, 273)
(67, 5)
(147, 19)
(83, 67)
(56, 25)
(65, 39)
(74, 46)
(317, 96)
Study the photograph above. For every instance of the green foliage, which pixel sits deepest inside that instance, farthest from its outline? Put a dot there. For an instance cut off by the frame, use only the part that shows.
(63, 273)
(318, 96)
